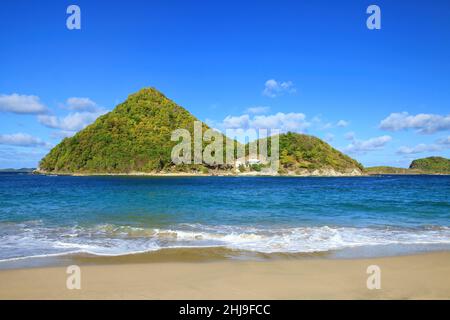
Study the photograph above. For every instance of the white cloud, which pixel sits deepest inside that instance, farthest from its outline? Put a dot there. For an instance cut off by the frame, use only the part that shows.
(419, 149)
(444, 141)
(12, 157)
(441, 144)
(213, 123)
(85, 112)
(81, 104)
(273, 88)
(22, 140)
(423, 123)
(342, 123)
(320, 124)
(257, 110)
(21, 104)
(236, 122)
(350, 135)
(363, 146)
(72, 122)
(282, 121)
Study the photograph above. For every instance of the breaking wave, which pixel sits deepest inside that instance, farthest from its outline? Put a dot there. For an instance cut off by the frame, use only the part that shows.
(33, 239)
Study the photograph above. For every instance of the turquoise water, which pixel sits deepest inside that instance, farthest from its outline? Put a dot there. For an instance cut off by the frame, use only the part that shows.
(54, 215)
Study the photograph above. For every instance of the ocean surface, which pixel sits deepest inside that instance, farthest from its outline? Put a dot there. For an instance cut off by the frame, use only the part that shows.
(58, 215)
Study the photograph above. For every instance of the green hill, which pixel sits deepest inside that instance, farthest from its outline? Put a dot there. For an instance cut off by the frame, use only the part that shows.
(389, 170)
(301, 153)
(136, 137)
(432, 165)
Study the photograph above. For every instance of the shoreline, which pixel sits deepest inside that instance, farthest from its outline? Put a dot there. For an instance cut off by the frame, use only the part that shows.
(229, 174)
(188, 174)
(208, 254)
(419, 276)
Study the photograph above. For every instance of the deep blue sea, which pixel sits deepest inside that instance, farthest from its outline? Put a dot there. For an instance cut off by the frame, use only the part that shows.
(57, 215)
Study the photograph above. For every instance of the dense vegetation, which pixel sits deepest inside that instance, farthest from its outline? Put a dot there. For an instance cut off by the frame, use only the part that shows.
(388, 170)
(432, 165)
(300, 151)
(135, 137)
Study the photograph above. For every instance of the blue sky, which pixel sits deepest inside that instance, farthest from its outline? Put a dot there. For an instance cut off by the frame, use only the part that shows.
(382, 96)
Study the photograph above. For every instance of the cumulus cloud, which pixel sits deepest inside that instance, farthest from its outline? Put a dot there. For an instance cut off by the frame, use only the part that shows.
(419, 149)
(283, 121)
(236, 122)
(273, 88)
(84, 112)
(72, 122)
(81, 104)
(22, 140)
(21, 104)
(257, 110)
(363, 146)
(342, 123)
(439, 145)
(422, 123)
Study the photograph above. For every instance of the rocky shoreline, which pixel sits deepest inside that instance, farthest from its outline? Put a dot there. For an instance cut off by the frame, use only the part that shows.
(302, 173)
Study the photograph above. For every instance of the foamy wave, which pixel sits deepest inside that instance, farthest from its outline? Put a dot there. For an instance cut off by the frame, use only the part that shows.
(35, 240)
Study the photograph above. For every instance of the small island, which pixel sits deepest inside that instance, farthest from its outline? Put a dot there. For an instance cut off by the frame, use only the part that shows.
(430, 165)
(20, 170)
(135, 139)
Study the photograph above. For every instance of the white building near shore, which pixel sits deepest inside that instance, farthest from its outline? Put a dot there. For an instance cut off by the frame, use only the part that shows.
(253, 161)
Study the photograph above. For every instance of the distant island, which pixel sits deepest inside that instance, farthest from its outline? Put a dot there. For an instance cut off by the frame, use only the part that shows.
(21, 170)
(430, 165)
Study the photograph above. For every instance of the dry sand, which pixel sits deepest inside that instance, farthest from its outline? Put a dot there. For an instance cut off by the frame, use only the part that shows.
(424, 276)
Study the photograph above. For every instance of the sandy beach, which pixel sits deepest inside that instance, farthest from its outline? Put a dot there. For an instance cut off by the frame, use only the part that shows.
(423, 276)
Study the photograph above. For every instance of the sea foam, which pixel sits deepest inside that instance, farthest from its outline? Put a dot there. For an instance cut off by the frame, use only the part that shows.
(35, 240)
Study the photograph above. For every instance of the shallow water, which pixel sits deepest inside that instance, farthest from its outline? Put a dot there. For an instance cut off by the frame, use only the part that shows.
(57, 215)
